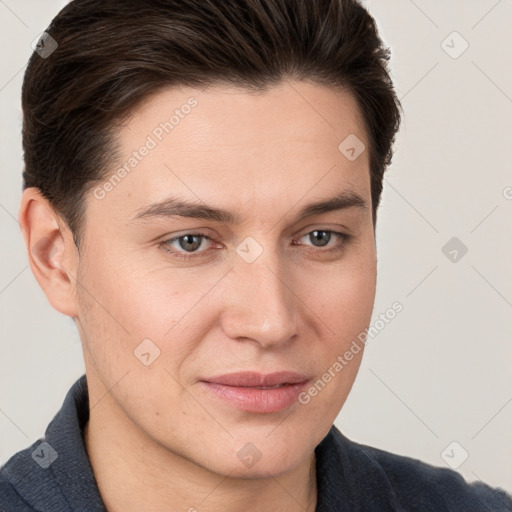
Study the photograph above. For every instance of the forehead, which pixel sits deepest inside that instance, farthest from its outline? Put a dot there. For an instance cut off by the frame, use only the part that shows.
(244, 147)
(251, 117)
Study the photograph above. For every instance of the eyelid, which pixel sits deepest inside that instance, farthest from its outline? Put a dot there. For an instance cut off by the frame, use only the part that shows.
(319, 226)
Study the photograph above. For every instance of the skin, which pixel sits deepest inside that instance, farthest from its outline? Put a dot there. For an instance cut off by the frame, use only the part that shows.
(156, 438)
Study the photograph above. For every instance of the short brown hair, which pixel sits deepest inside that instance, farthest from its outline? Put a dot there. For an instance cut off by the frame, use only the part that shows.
(113, 54)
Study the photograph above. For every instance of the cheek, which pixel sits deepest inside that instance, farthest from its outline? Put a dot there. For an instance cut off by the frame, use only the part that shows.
(346, 297)
(345, 304)
(140, 298)
(133, 304)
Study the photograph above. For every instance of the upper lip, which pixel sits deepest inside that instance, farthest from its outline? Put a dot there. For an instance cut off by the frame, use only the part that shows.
(256, 379)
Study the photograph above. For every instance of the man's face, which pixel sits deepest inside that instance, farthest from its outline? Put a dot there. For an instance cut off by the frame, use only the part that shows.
(266, 291)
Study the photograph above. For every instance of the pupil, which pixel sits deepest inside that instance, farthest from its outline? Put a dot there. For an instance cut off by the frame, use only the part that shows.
(318, 236)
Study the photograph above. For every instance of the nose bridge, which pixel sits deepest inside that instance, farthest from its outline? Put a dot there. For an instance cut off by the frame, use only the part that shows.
(259, 302)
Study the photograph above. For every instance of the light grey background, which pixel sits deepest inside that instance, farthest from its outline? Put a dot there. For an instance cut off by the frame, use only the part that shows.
(439, 372)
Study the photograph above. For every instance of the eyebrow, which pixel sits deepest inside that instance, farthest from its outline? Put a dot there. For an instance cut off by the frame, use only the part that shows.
(175, 207)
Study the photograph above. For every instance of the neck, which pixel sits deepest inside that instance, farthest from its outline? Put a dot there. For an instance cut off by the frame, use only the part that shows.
(135, 473)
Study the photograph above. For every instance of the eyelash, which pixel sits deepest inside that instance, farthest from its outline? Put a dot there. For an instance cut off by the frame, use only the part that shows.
(343, 239)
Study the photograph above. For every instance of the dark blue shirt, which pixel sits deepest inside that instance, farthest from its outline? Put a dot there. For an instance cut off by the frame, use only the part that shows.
(54, 475)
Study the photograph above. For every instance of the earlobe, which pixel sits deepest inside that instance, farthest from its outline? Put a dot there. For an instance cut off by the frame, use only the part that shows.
(51, 251)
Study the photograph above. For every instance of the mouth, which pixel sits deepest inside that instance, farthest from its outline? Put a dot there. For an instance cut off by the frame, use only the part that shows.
(256, 392)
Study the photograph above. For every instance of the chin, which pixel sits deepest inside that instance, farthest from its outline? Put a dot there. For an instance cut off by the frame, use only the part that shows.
(261, 459)
(253, 460)
(262, 469)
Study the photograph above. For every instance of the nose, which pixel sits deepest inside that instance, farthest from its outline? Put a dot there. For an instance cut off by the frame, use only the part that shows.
(260, 303)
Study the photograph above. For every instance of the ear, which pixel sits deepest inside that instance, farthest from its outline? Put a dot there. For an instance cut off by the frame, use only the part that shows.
(51, 250)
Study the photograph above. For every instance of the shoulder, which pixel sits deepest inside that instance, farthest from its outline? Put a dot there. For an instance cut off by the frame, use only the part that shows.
(54, 473)
(10, 500)
(28, 481)
(414, 485)
(421, 486)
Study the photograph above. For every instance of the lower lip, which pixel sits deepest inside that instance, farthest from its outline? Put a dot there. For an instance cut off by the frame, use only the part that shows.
(263, 401)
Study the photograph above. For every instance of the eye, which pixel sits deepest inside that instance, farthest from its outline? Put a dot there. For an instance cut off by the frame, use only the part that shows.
(322, 237)
(185, 246)
(189, 245)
